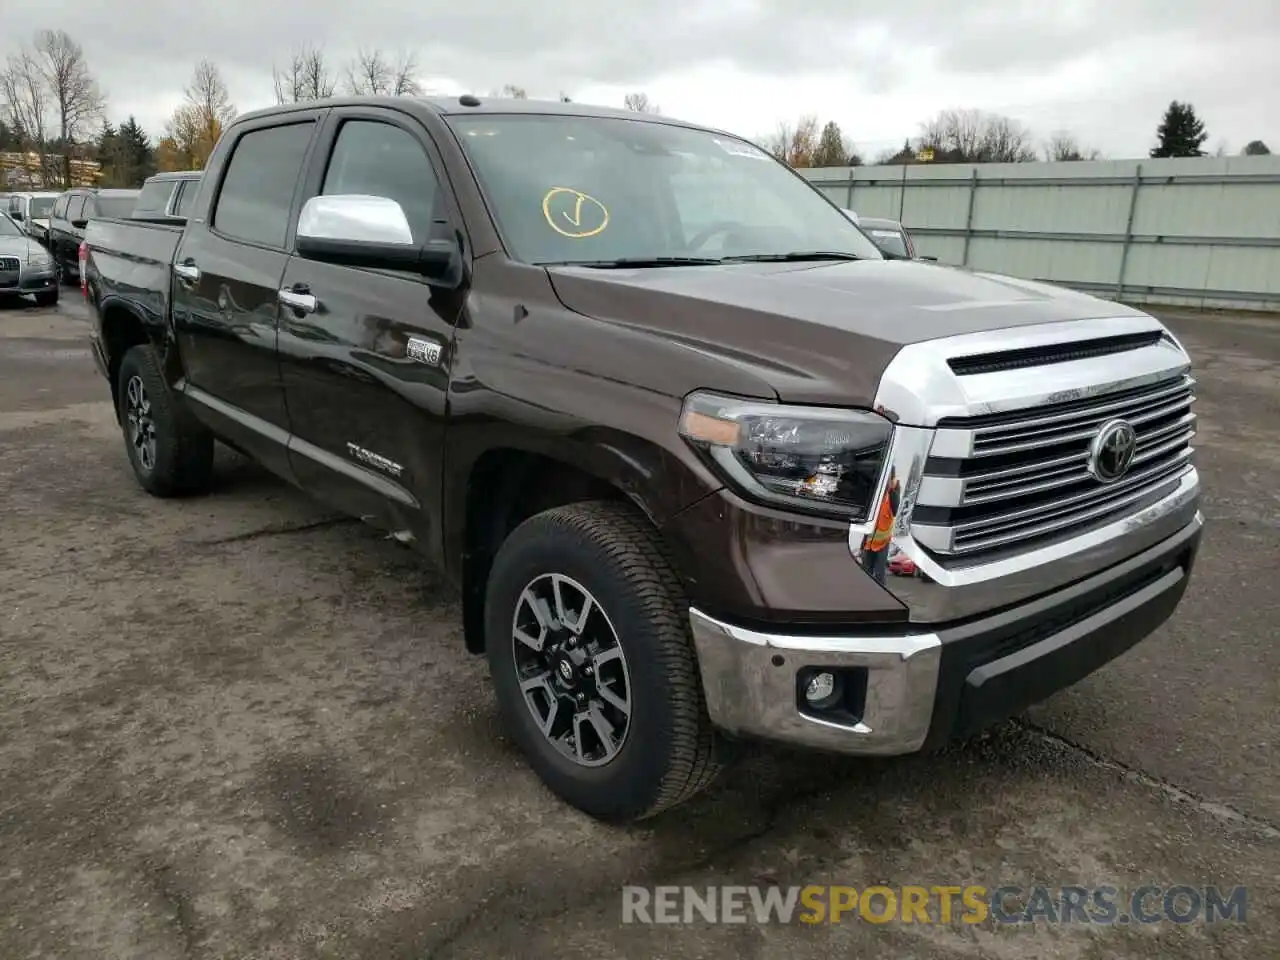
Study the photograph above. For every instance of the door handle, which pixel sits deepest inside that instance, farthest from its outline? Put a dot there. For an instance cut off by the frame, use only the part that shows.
(306, 302)
(187, 271)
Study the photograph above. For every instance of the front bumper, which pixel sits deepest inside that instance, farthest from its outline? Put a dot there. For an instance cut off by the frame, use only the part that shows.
(918, 688)
(28, 280)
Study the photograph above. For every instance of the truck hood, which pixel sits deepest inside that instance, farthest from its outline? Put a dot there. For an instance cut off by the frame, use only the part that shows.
(817, 332)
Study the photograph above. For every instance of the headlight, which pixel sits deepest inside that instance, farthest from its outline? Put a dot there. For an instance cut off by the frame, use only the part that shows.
(41, 259)
(816, 459)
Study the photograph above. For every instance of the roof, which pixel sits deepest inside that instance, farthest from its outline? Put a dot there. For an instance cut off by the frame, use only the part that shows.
(474, 104)
(879, 223)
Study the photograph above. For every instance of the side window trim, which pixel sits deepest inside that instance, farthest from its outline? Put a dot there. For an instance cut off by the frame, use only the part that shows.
(316, 119)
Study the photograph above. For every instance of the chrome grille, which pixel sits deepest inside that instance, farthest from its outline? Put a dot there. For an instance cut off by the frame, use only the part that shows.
(9, 264)
(1001, 480)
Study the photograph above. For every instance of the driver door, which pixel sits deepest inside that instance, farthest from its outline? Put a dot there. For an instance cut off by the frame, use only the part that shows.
(364, 352)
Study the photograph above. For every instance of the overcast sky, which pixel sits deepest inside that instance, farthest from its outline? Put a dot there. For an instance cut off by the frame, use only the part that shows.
(1104, 70)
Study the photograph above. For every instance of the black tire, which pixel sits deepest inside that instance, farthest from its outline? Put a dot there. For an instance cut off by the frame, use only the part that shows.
(48, 298)
(181, 458)
(670, 750)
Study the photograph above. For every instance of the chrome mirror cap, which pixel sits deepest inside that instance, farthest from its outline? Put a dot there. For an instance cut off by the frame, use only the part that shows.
(355, 218)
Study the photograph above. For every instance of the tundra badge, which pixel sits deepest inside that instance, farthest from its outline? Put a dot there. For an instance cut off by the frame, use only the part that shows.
(424, 351)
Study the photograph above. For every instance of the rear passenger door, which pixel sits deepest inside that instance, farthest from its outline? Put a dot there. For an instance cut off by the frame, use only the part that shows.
(227, 271)
(367, 412)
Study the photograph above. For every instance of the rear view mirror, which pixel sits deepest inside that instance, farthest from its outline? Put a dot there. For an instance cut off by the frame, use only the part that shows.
(367, 231)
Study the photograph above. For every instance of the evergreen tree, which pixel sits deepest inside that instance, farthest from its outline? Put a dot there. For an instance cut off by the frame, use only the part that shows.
(1256, 148)
(1181, 133)
(137, 148)
(831, 151)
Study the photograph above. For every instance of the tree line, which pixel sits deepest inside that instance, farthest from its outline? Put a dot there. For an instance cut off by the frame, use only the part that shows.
(52, 108)
(976, 136)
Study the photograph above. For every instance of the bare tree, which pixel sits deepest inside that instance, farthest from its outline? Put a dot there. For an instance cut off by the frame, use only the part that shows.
(511, 91)
(796, 145)
(972, 136)
(640, 103)
(194, 128)
(26, 103)
(372, 73)
(74, 93)
(49, 97)
(306, 77)
(1064, 146)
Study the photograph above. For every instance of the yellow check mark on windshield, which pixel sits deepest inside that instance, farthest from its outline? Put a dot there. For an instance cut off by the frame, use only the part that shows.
(576, 219)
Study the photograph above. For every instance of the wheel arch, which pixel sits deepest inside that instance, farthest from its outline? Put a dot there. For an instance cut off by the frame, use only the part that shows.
(505, 484)
(124, 327)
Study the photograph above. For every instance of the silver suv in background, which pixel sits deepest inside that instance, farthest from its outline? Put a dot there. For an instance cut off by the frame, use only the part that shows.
(890, 236)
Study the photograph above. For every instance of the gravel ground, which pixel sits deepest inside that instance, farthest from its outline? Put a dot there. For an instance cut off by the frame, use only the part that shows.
(239, 726)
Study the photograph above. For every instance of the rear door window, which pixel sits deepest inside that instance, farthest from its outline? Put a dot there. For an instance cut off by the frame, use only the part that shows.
(261, 178)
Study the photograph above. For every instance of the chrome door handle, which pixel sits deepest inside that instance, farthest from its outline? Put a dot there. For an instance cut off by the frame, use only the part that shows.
(306, 302)
(187, 271)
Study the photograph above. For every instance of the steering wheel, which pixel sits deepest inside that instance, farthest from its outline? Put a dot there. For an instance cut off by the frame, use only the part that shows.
(699, 240)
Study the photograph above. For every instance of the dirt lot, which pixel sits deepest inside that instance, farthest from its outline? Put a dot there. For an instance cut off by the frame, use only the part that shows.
(239, 727)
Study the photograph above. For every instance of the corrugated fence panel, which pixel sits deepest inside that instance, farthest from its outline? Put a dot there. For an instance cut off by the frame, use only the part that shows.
(1201, 231)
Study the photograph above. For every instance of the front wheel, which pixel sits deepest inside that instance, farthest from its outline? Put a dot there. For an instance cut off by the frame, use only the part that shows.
(48, 298)
(587, 637)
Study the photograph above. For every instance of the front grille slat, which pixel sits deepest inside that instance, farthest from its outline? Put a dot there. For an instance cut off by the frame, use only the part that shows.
(9, 264)
(1136, 414)
(1027, 476)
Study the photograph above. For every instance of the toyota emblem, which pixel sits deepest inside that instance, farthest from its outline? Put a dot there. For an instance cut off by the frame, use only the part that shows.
(1112, 451)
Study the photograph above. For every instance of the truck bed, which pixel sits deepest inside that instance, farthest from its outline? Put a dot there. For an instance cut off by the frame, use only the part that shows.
(131, 260)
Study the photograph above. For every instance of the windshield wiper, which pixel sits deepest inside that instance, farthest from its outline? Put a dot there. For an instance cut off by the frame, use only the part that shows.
(795, 256)
(626, 262)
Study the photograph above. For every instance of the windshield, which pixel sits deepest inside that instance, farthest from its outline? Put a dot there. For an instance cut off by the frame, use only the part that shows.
(116, 206)
(890, 241)
(591, 190)
(8, 228)
(40, 206)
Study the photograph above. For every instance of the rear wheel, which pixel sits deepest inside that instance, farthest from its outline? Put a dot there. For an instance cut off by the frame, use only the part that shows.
(589, 648)
(171, 454)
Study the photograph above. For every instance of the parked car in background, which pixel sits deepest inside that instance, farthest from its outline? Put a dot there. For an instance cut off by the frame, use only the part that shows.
(25, 265)
(167, 196)
(890, 236)
(31, 211)
(71, 212)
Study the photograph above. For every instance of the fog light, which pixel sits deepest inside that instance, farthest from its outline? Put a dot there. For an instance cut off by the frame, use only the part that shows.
(820, 687)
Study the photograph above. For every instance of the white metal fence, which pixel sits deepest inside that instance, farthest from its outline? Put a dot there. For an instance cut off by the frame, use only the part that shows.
(1198, 232)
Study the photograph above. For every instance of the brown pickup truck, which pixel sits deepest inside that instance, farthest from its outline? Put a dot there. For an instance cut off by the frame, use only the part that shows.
(705, 466)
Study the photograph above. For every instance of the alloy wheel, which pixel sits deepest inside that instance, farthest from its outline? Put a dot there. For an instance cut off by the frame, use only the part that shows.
(142, 428)
(572, 669)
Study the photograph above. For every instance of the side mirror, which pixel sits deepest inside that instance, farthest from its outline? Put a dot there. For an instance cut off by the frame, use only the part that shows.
(935, 259)
(17, 215)
(366, 231)
(79, 224)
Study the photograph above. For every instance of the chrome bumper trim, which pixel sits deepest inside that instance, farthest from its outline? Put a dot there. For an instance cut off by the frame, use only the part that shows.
(750, 682)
